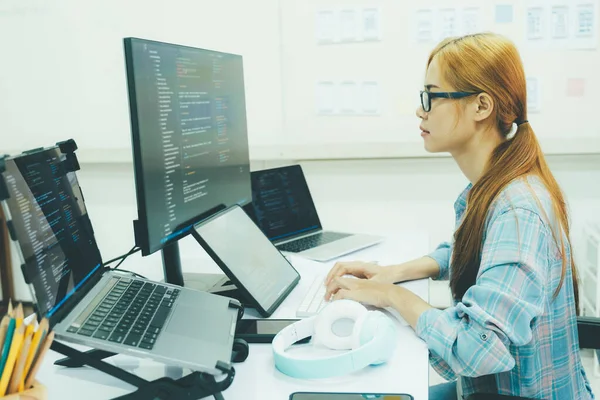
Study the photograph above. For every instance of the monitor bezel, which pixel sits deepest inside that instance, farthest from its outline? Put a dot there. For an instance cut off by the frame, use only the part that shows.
(141, 225)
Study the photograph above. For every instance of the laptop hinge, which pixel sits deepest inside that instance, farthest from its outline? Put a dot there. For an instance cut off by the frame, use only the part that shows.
(297, 236)
(74, 300)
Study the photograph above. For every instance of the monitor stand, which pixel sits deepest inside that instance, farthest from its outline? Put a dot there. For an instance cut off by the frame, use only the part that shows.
(213, 283)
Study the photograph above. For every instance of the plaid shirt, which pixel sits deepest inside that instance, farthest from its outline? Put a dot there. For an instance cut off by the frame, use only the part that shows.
(508, 335)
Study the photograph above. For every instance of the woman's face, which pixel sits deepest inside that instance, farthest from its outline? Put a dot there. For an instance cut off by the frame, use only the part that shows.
(447, 126)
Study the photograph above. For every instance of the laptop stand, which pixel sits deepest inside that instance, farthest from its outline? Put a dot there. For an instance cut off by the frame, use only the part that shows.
(196, 385)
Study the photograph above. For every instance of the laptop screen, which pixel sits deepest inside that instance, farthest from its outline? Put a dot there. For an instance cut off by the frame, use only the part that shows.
(51, 225)
(281, 202)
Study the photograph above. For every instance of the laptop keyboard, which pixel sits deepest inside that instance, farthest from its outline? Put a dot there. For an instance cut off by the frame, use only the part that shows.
(127, 311)
(311, 241)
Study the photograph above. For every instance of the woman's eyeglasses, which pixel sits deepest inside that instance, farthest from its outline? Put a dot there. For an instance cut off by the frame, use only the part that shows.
(427, 96)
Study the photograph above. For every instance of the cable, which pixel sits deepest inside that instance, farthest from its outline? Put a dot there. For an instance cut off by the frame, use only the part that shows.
(134, 249)
(122, 258)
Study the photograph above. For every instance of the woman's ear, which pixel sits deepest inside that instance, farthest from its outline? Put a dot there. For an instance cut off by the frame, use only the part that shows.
(484, 106)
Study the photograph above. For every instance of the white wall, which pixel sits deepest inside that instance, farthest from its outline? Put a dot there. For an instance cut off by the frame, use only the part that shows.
(367, 195)
(63, 70)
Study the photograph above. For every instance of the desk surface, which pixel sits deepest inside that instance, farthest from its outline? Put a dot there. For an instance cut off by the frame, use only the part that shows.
(257, 378)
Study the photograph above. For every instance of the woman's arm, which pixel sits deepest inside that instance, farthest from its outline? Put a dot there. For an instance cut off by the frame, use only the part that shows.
(424, 267)
(435, 265)
(472, 338)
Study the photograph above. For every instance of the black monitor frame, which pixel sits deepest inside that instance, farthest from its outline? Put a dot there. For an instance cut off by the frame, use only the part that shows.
(170, 249)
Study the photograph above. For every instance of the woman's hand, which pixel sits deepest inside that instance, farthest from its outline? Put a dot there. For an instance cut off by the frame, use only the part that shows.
(364, 291)
(360, 269)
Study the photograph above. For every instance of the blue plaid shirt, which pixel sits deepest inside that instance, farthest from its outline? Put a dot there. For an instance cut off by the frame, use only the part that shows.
(508, 335)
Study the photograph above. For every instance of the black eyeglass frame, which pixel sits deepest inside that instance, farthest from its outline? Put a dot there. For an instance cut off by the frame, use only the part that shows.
(426, 97)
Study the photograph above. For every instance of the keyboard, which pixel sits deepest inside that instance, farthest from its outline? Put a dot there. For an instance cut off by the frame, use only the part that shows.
(127, 311)
(313, 301)
(311, 241)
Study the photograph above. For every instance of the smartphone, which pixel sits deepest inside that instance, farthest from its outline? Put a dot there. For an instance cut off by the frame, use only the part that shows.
(262, 330)
(349, 396)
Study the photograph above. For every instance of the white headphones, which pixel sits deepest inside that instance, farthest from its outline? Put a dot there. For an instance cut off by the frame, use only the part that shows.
(372, 341)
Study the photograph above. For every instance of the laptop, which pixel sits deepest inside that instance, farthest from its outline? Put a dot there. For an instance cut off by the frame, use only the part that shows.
(283, 209)
(90, 304)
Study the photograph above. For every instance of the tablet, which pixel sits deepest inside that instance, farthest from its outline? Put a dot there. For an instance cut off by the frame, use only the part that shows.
(349, 396)
(260, 272)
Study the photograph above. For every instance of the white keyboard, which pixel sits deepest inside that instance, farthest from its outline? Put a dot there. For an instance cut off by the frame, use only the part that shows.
(313, 302)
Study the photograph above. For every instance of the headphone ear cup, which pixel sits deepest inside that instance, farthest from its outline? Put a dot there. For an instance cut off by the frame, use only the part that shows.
(377, 326)
(337, 310)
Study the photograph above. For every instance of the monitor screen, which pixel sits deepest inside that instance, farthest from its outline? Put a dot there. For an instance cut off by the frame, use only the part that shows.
(51, 225)
(281, 202)
(248, 258)
(189, 137)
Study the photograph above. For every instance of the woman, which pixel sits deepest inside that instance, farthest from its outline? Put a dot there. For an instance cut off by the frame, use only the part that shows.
(512, 328)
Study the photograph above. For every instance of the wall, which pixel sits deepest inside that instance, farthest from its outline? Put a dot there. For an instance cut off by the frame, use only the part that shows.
(367, 195)
(64, 77)
(63, 69)
(397, 61)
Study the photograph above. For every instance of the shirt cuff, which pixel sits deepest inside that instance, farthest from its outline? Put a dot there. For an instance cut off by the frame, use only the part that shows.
(425, 321)
(440, 256)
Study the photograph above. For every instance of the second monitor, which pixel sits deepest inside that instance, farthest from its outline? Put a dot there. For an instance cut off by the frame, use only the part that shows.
(189, 139)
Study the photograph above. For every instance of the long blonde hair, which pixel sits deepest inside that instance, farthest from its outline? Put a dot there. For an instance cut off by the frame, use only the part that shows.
(490, 63)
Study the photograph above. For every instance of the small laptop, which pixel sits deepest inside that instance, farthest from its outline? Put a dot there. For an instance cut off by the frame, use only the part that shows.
(283, 209)
(93, 305)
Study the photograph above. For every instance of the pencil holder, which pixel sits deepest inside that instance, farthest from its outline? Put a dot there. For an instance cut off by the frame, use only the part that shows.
(37, 392)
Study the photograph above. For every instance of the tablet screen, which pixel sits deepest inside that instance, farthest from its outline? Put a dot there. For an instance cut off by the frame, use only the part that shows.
(245, 254)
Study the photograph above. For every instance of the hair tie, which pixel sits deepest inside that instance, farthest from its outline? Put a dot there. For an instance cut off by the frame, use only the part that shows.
(521, 123)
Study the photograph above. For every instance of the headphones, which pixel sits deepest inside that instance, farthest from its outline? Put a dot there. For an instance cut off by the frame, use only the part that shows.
(371, 341)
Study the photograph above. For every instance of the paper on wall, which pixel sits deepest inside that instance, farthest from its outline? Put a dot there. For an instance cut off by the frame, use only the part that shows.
(504, 13)
(325, 26)
(533, 95)
(371, 24)
(424, 26)
(325, 97)
(470, 21)
(448, 23)
(347, 97)
(348, 25)
(370, 98)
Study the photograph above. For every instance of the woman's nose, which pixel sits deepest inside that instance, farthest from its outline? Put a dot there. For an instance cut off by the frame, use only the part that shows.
(420, 113)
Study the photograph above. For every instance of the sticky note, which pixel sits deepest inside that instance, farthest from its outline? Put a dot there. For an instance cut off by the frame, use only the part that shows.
(504, 13)
(575, 87)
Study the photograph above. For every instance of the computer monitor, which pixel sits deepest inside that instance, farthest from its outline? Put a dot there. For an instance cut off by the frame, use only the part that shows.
(189, 140)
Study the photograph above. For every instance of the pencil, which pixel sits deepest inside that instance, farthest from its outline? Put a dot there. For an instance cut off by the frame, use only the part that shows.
(7, 342)
(38, 360)
(19, 365)
(19, 311)
(9, 311)
(3, 330)
(12, 357)
(38, 336)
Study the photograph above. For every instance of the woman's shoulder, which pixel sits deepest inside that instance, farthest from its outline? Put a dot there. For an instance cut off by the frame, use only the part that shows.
(526, 193)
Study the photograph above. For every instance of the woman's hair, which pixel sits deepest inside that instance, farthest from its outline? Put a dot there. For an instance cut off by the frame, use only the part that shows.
(490, 63)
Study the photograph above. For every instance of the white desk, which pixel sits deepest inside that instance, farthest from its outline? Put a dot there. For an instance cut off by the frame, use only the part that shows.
(257, 378)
